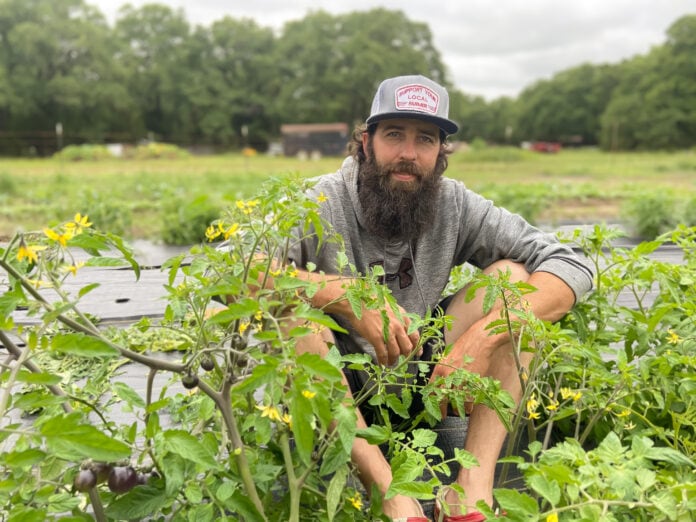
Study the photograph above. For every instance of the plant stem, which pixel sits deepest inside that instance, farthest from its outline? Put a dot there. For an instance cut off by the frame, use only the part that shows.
(223, 402)
(21, 357)
(95, 500)
(293, 483)
(150, 362)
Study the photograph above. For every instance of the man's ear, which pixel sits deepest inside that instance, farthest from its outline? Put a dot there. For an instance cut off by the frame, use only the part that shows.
(365, 141)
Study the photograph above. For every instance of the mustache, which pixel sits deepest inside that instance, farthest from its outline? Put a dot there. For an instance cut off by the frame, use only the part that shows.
(407, 167)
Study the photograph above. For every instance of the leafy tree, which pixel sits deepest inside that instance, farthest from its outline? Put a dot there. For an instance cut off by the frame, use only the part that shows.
(153, 42)
(232, 86)
(331, 65)
(57, 67)
(491, 122)
(567, 107)
(654, 106)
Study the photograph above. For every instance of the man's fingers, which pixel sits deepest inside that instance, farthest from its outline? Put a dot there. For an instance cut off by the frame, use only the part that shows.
(404, 342)
(392, 350)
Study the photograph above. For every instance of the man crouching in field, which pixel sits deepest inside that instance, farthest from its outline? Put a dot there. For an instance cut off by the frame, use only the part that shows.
(393, 207)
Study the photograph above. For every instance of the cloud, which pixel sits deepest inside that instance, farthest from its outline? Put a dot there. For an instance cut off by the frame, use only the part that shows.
(490, 48)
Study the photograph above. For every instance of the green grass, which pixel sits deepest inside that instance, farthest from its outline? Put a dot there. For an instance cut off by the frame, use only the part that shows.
(578, 185)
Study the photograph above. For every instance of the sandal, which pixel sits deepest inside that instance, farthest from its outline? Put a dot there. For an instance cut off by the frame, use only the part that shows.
(472, 516)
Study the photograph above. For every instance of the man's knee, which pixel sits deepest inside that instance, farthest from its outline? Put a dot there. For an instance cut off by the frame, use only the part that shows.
(465, 312)
(518, 272)
(316, 342)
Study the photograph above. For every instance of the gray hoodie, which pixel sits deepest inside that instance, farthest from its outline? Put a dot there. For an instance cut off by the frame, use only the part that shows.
(467, 229)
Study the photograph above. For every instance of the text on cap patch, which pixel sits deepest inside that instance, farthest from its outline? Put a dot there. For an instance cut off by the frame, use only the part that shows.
(417, 97)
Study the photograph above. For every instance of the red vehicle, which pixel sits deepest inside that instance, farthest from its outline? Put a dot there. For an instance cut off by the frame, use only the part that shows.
(545, 146)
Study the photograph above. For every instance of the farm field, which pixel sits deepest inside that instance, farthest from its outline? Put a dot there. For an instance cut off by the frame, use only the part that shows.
(140, 198)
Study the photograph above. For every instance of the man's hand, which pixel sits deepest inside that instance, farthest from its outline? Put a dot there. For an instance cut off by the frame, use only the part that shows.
(475, 344)
(370, 326)
(398, 342)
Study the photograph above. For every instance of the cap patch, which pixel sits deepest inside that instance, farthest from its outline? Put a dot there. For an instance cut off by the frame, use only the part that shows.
(416, 97)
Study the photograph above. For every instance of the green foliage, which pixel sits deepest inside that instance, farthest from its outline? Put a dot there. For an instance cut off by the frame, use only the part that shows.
(567, 107)
(8, 186)
(246, 428)
(106, 212)
(231, 84)
(185, 220)
(481, 152)
(84, 152)
(650, 215)
(527, 201)
(614, 481)
(653, 105)
(609, 400)
(154, 150)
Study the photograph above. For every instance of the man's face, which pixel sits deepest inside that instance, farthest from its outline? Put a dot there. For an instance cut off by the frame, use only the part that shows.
(400, 178)
(405, 150)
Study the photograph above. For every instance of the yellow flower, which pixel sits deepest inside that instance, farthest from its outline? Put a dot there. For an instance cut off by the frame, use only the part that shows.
(26, 252)
(287, 419)
(60, 238)
(553, 405)
(356, 501)
(553, 517)
(240, 204)
(212, 232)
(38, 283)
(625, 413)
(673, 337)
(74, 268)
(83, 221)
(308, 394)
(79, 222)
(532, 403)
(75, 227)
(567, 393)
(270, 411)
(231, 231)
(321, 198)
(243, 326)
(258, 315)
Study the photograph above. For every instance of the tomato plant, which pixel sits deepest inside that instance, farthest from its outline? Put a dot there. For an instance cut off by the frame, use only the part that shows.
(244, 429)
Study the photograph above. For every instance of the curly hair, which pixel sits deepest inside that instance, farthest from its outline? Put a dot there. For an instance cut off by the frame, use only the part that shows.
(355, 147)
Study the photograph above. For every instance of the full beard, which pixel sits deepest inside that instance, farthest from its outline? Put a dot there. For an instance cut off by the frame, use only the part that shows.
(395, 210)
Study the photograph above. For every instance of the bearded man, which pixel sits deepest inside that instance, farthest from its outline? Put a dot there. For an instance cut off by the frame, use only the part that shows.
(393, 207)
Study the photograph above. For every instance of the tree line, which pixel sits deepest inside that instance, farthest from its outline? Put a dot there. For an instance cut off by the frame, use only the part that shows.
(67, 75)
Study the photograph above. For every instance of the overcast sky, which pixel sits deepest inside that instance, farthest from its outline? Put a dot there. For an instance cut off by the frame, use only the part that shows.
(491, 48)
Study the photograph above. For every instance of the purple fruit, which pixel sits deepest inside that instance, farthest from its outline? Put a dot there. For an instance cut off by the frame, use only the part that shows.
(122, 479)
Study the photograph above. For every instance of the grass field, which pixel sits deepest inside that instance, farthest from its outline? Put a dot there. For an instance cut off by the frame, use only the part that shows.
(138, 197)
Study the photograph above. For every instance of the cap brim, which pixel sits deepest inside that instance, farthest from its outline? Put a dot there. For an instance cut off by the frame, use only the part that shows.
(448, 126)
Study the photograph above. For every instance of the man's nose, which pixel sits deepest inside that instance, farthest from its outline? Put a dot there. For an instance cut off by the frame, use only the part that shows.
(408, 150)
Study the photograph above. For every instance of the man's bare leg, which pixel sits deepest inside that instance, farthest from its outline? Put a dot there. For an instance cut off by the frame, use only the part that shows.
(373, 468)
(486, 434)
